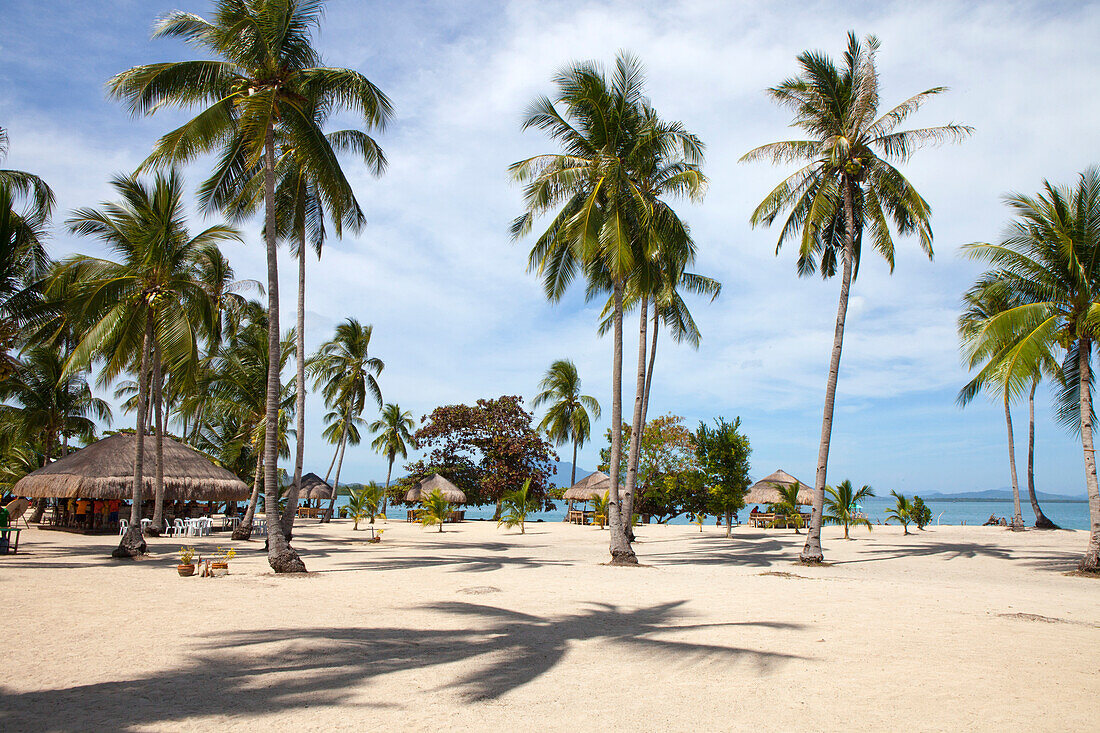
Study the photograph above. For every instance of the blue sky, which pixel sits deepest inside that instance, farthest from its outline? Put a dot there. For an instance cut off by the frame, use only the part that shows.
(456, 316)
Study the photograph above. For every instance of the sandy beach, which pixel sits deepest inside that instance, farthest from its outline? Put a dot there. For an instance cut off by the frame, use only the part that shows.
(955, 628)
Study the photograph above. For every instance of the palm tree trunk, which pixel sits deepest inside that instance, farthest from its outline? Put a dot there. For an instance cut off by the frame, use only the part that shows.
(1091, 561)
(652, 358)
(1041, 520)
(243, 530)
(1017, 520)
(336, 482)
(332, 464)
(621, 552)
(280, 557)
(573, 477)
(158, 426)
(386, 493)
(133, 543)
(300, 398)
(637, 427)
(811, 552)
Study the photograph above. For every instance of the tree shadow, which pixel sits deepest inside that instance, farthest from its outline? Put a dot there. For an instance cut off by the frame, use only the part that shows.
(754, 551)
(953, 550)
(260, 672)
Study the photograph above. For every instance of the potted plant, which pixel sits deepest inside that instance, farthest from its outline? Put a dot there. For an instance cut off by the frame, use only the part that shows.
(220, 566)
(377, 536)
(186, 567)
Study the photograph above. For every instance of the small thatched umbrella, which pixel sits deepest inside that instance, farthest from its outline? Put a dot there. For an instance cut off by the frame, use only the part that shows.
(105, 470)
(595, 484)
(764, 491)
(314, 487)
(427, 485)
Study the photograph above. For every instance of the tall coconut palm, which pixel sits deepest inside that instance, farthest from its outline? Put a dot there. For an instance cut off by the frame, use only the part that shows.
(849, 184)
(602, 211)
(567, 420)
(1049, 259)
(392, 438)
(346, 373)
(267, 82)
(148, 300)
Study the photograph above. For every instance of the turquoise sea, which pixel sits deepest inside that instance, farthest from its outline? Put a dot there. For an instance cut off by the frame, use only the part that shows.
(1068, 515)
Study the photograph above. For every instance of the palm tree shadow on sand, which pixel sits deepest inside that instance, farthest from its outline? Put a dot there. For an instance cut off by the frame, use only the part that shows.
(260, 672)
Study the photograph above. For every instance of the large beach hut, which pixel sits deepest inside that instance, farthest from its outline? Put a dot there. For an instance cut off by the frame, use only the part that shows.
(430, 483)
(105, 470)
(591, 486)
(765, 491)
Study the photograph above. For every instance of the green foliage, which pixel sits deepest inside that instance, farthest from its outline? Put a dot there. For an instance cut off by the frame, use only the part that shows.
(723, 453)
(787, 510)
(921, 514)
(434, 509)
(901, 512)
(517, 505)
(840, 503)
(366, 503)
(568, 418)
(600, 506)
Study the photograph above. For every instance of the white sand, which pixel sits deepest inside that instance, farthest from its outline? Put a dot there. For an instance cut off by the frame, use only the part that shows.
(960, 628)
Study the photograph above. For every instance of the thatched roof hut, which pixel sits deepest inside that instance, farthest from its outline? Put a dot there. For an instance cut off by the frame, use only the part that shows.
(105, 470)
(314, 488)
(764, 491)
(595, 484)
(430, 483)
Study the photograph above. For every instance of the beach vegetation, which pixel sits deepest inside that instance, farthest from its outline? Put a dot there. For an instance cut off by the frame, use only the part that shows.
(393, 438)
(841, 502)
(848, 185)
(434, 509)
(569, 414)
(787, 510)
(901, 512)
(921, 514)
(517, 505)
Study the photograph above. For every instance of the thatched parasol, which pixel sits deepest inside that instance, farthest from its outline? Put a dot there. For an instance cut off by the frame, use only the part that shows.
(314, 488)
(595, 484)
(764, 491)
(427, 485)
(105, 470)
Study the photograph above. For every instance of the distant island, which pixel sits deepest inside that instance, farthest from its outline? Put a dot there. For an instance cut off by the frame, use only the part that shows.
(1003, 495)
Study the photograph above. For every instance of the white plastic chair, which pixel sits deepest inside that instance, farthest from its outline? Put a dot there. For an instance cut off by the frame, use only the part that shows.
(123, 526)
(145, 522)
(180, 528)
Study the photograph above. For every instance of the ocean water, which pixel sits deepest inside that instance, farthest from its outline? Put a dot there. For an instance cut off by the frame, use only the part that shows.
(1068, 515)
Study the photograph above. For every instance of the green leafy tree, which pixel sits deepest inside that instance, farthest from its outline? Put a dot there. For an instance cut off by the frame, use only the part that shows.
(840, 505)
(266, 82)
(901, 512)
(366, 503)
(921, 514)
(1050, 262)
(567, 419)
(517, 505)
(600, 504)
(849, 185)
(723, 454)
(434, 509)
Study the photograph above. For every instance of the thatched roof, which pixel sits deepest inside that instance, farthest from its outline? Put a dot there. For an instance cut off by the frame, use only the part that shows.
(595, 484)
(105, 470)
(430, 483)
(314, 487)
(764, 491)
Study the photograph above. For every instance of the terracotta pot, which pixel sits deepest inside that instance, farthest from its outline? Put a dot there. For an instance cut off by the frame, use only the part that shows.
(218, 569)
(185, 570)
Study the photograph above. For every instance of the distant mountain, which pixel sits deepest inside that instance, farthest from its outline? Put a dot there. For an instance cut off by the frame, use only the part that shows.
(563, 473)
(997, 495)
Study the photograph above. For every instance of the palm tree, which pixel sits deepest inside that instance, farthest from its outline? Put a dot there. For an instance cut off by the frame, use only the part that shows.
(51, 406)
(345, 372)
(983, 301)
(517, 505)
(1050, 260)
(434, 509)
(849, 184)
(604, 213)
(901, 512)
(567, 420)
(26, 205)
(600, 503)
(840, 505)
(392, 437)
(149, 301)
(786, 509)
(268, 84)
